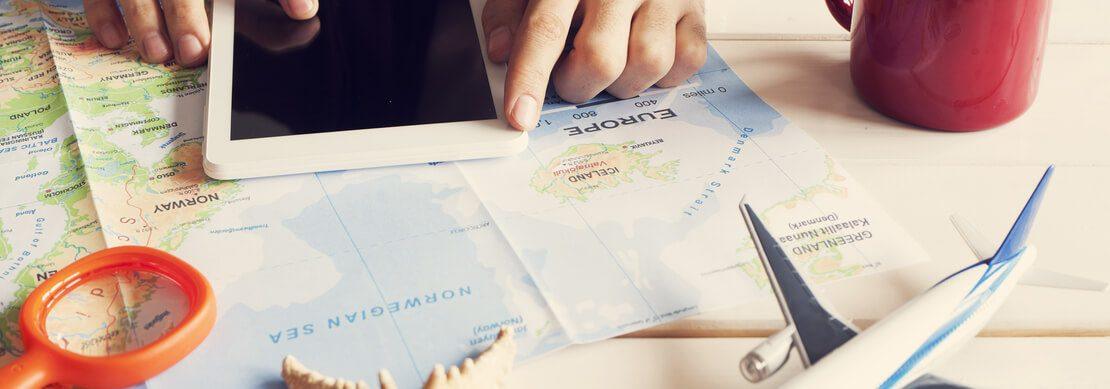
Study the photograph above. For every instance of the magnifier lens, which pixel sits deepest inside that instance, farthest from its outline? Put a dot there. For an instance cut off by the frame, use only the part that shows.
(116, 312)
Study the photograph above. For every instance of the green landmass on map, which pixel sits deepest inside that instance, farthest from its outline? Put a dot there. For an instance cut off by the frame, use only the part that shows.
(586, 168)
(31, 102)
(819, 266)
(5, 246)
(81, 236)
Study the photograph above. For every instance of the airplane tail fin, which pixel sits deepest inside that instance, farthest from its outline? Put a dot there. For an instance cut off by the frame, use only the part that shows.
(982, 248)
(1019, 233)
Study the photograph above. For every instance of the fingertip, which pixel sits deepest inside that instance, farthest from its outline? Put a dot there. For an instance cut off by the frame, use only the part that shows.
(190, 51)
(588, 69)
(300, 9)
(498, 44)
(624, 93)
(154, 48)
(685, 66)
(110, 35)
(524, 113)
(670, 83)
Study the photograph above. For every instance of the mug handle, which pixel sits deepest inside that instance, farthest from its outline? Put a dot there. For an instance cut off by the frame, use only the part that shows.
(841, 10)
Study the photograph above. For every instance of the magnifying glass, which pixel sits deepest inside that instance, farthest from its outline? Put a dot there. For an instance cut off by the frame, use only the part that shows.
(112, 319)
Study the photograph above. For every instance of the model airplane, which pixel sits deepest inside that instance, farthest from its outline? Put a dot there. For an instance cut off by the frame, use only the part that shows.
(898, 350)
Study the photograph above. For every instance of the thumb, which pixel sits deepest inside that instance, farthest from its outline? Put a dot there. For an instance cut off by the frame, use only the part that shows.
(499, 21)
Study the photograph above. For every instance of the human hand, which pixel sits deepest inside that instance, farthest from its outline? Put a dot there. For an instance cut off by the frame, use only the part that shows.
(154, 24)
(621, 46)
(267, 24)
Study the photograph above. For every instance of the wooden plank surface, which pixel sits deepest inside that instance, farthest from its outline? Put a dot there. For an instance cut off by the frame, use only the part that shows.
(1072, 21)
(920, 177)
(711, 363)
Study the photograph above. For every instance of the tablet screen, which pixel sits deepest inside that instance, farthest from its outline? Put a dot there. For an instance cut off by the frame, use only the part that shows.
(359, 64)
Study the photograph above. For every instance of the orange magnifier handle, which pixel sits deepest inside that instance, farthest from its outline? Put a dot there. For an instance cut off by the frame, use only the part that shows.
(44, 362)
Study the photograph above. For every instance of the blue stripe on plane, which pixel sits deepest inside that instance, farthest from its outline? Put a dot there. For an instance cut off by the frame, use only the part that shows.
(953, 324)
(1014, 243)
(961, 271)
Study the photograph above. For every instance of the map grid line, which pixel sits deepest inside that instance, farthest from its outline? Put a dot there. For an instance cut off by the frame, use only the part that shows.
(370, 273)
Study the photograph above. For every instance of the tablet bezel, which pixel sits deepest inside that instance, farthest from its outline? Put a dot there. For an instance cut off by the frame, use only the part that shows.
(349, 149)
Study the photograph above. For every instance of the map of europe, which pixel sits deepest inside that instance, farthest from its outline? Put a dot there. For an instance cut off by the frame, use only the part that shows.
(621, 215)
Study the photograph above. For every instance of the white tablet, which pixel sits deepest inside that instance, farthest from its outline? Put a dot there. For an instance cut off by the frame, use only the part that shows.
(364, 84)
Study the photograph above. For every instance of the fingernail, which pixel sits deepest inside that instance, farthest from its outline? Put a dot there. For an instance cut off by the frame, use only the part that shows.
(524, 113)
(154, 48)
(299, 7)
(189, 50)
(499, 42)
(110, 35)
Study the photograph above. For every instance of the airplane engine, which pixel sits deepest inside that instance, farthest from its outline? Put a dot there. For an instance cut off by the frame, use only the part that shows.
(767, 358)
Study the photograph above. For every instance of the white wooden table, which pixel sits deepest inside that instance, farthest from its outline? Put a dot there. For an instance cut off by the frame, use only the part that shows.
(794, 56)
(711, 363)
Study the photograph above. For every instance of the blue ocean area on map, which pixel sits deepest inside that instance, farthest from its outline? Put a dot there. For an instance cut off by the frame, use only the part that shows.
(620, 215)
(391, 307)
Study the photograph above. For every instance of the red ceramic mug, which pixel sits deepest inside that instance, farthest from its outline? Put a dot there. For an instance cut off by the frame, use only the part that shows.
(955, 65)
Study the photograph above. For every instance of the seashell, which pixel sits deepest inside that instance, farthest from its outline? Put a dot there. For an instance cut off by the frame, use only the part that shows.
(488, 371)
(297, 376)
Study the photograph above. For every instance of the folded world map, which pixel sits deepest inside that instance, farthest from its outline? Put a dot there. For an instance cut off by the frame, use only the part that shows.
(621, 215)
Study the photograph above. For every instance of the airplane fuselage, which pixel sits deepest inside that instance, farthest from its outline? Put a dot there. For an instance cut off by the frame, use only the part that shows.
(901, 347)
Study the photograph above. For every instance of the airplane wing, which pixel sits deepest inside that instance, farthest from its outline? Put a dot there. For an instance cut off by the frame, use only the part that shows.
(1051, 279)
(817, 331)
